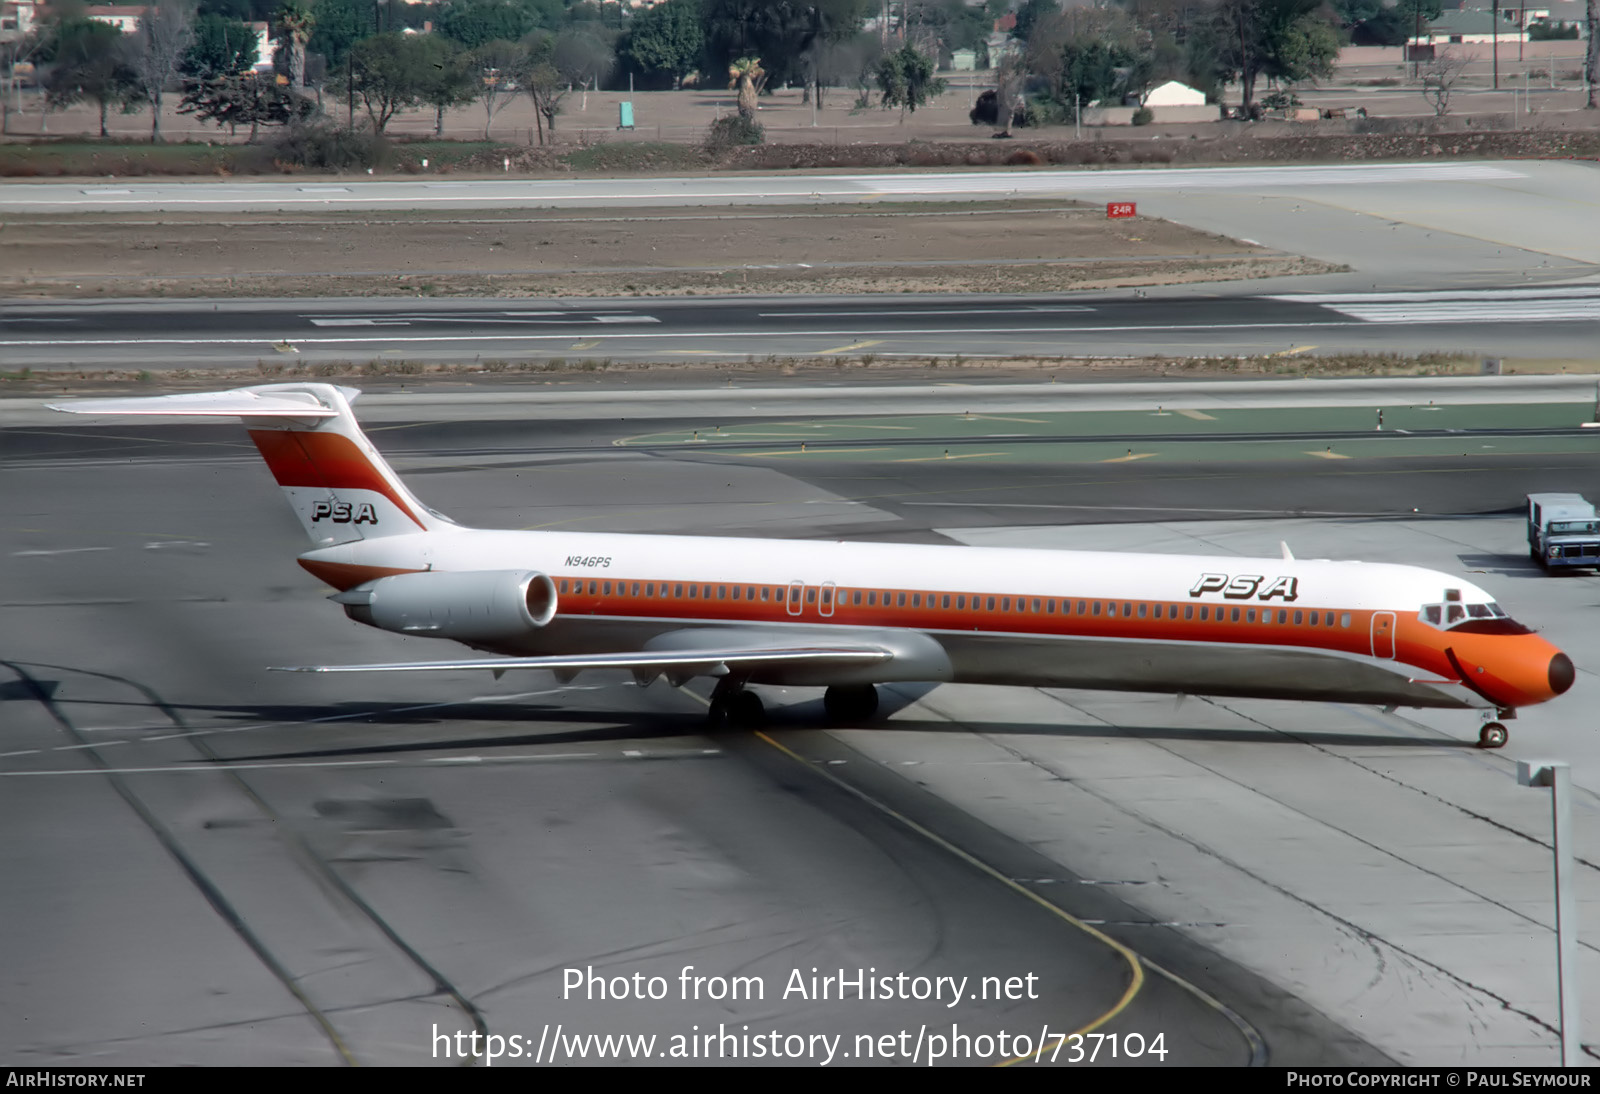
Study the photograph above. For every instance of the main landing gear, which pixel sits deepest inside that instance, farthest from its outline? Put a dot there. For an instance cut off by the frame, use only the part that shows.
(1494, 733)
(732, 707)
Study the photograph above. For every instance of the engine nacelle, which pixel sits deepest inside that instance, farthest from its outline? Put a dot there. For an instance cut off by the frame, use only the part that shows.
(470, 606)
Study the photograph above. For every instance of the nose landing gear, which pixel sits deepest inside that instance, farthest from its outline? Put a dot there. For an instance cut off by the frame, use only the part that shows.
(1494, 734)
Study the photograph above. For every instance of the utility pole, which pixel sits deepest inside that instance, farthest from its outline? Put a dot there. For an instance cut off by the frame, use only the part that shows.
(1557, 776)
(1494, 32)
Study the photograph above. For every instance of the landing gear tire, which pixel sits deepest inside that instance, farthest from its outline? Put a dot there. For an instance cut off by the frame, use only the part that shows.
(737, 710)
(855, 703)
(1493, 735)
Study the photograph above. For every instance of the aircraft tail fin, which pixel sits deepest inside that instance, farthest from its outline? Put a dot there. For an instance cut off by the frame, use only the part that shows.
(337, 483)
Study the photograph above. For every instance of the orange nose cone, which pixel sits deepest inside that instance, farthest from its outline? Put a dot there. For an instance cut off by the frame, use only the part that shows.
(1561, 674)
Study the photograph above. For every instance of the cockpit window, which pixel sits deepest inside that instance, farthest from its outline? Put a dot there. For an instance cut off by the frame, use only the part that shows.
(1574, 527)
(1479, 618)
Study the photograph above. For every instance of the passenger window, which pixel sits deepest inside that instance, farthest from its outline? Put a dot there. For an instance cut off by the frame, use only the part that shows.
(1188, 611)
(606, 588)
(650, 589)
(1005, 603)
(1050, 607)
(1235, 616)
(1283, 616)
(736, 592)
(1298, 618)
(1095, 607)
(563, 585)
(1127, 610)
(946, 602)
(763, 594)
(722, 592)
(811, 596)
(1143, 609)
(692, 591)
(750, 592)
(991, 603)
(705, 591)
(916, 600)
(1205, 614)
(635, 588)
(872, 599)
(677, 591)
(1250, 615)
(1344, 620)
(827, 596)
(855, 597)
(900, 601)
(593, 585)
(961, 602)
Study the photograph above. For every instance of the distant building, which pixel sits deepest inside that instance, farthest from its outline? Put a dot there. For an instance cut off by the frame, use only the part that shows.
(124, 18)
(1172, 93)
(17, 19)
(963, 60)
(1468, 27)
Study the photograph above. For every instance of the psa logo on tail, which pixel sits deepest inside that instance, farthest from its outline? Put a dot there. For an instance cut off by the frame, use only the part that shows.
(343, 512)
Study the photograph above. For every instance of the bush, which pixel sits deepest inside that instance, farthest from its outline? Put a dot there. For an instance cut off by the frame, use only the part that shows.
(733, 131)
(1142, 116)
(324, 147)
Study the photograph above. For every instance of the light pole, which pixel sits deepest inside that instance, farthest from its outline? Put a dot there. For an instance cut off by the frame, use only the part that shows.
(1557, 775)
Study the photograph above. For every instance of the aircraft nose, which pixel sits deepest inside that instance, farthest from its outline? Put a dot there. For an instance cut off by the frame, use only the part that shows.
(1561, 674)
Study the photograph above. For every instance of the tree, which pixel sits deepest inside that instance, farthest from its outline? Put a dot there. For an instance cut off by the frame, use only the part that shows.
(449, 79)
(666, 39)
(296, 23)
(221, 47)
(389, 72)
(749, 77)
(1243, 40)
(1439, 78)
(339, 25)
(906, 80)
(494, 66)
(158, 47)
(582, 58)
(476, 22)
(246, 98)
(782, 33)
(542, 82)
(1030, 15)
(90, 64)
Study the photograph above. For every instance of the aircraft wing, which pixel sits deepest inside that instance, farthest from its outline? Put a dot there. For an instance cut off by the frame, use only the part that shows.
(644, 663)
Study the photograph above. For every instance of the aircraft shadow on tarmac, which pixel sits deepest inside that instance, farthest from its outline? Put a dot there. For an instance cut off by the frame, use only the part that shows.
(636, 725)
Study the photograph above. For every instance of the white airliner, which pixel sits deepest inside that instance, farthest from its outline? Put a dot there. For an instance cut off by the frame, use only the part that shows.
(849, 616)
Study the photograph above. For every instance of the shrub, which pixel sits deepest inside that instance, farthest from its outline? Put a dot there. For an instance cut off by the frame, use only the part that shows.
(732, 131)
(325, 147)
(1142, 116)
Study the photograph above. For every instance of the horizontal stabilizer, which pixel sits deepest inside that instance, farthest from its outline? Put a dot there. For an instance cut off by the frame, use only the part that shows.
(702, 660)
(241, 402)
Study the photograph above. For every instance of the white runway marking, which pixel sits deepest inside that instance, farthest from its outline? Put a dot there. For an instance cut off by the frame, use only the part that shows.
(58, 551)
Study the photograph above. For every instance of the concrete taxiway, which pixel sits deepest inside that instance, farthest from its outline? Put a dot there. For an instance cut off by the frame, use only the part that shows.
(1327, 884)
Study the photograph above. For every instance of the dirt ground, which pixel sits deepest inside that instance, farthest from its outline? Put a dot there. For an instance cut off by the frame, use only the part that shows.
(1010, 247)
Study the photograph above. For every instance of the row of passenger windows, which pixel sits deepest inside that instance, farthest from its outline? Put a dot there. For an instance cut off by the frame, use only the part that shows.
(871, 598)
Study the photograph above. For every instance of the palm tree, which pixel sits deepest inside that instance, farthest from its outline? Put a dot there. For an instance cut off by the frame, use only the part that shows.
(748, 76)
(296, 21)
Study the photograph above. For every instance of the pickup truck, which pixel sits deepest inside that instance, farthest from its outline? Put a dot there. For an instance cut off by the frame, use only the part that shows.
(1563, 531)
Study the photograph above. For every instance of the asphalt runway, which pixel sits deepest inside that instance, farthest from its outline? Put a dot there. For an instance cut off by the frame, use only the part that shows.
(432, 854)
(1549, 321)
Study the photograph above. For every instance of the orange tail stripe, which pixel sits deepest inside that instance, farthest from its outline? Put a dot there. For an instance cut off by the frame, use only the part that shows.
(328, 460)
